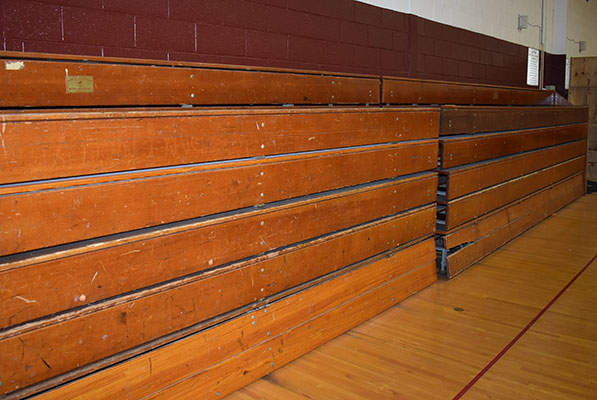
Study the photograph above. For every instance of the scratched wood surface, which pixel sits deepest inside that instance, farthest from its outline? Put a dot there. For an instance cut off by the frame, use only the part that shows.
(488, 234)
(29, 82)
(82, 142)
(87, 335)
(493, 158)
(414, 91)
(433, 344)
(472, 206)
(271, 337)
(480, 227)
(467, 149)
(19, 55)
(42, 284)
(473, 177)
(87, 207)
(127, 81)
(456, 120)
(152, 223)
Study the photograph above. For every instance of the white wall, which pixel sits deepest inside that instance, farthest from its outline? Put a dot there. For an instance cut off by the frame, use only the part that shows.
(499, 18)
(559, 27)
(582, 25)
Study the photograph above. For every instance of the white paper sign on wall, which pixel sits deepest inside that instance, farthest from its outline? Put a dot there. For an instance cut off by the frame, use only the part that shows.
(533, 67)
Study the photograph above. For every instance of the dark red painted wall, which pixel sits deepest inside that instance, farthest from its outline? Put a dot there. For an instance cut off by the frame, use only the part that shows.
(441, 51)
(555, 72)
(335, 35)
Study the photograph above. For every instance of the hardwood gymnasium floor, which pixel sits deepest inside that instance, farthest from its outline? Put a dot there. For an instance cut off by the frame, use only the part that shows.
(520, 324)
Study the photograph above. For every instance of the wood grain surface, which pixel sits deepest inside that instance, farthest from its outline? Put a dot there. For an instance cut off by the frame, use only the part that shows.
(271, 337)
(434, 344)
(476, 204)
(482, 226)
(41, 83)
(45, 145)
(414, 91)
(456, 120)
(460, 150)
(43, 350)
(44, 284)
(488, 234)
(470, 178)
(87, 208)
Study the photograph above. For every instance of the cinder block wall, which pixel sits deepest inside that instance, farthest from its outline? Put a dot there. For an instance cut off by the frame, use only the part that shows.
(334, 35)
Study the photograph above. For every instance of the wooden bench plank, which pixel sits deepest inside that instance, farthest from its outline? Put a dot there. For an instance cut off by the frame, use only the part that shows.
(294, 343)
(470, 178)
(455, 120)
(19, 55)
(482, 226)
(489, 233)
(331, 308)
(45, 145)
(73, 83)
(44, 284)
(86, 208)
(88, 335)
(417, 91)
(469, 207)
(457, 151)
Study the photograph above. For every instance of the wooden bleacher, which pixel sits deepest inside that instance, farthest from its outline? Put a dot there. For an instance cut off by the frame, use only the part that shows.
(502, 170)
(133, 229)
(508, 158)
(172, 228)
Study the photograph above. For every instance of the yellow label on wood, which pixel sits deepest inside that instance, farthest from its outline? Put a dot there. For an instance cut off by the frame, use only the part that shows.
(14, 65)
(79, 84)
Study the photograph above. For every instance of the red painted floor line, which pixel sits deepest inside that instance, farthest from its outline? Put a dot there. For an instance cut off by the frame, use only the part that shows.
(520, 334)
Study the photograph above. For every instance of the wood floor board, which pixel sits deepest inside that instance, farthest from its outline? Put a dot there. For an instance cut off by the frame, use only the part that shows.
(375, 382)
(556, 358)
(269, 388)
(307, 382)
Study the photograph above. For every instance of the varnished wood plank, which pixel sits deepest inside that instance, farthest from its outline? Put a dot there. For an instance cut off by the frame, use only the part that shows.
(41, 83)
(86, 208)
(45, 145)
(470, 178)
(468, 149)
(44, 284)
(150, 173)
(19, 55)
(469, 207)
(270, 389)
(334, 382)
(555, 359)
(456, 120)
(102, 330)
(432, 344)
(483, 226)
(277, 334)
(415, 91)
(494, 231)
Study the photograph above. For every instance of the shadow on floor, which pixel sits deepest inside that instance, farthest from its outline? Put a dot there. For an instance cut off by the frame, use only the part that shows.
(591, 187)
